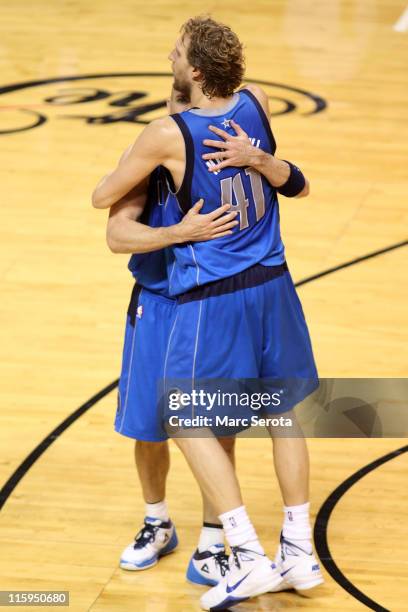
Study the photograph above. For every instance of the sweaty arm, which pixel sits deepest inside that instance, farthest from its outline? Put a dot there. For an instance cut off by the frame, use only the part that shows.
(125, 234)
(152, 148)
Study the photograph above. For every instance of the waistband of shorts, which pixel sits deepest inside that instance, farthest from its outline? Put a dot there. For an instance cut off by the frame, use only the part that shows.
(158, 297)
(251, 277)
(139, 291)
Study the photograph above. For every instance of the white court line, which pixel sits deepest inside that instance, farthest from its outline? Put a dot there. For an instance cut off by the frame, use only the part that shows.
(402, 24)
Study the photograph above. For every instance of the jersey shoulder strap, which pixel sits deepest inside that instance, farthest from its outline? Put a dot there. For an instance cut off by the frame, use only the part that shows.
(264, 118)
(183, 195)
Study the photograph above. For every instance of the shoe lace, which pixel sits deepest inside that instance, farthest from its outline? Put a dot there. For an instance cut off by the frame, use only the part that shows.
(146, 534)
(221, 561)
(234, 552)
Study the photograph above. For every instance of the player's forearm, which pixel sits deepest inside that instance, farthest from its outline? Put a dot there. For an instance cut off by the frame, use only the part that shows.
(128, 236)
(276, 171)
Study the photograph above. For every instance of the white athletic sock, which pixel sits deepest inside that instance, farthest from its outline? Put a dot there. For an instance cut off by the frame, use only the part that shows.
(296, 526)
(210, 536)
(239, 530)
(158, 511)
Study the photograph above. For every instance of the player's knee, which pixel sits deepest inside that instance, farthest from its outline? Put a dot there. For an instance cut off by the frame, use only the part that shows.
(150, 447)
(188, 446)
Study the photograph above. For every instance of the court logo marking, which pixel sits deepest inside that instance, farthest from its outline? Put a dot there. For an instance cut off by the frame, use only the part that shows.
(118, 97)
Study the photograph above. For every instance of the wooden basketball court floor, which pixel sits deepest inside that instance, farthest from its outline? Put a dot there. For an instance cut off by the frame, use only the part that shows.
(70, 510)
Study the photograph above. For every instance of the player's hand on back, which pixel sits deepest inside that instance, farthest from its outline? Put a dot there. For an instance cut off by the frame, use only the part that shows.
(197, 227)
(232, 150)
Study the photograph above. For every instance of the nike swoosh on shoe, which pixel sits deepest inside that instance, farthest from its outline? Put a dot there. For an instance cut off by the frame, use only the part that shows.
(232, 588)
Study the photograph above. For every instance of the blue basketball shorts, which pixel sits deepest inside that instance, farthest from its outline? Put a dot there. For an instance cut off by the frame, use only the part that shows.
(248, 326)
(149, 320)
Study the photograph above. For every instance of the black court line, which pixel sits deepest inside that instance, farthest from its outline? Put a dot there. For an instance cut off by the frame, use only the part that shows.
(322, 520)
(23, 468)
(352, 262)
(320, 534)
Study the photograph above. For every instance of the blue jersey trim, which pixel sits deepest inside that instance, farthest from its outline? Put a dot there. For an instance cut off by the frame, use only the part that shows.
(263, 116)
(183, 195)
(216, 112)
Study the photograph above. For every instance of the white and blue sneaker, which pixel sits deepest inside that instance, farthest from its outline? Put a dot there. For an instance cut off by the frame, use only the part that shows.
(208, 567)
(250, 574)
(155, 539)
(299, 569)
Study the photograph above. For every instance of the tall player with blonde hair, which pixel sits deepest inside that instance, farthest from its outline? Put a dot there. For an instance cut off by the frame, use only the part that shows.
(239, 283)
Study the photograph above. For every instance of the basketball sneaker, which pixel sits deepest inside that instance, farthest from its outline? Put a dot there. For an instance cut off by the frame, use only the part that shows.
(208, 567)
(299, 569)
(155, 539)
(250, 574)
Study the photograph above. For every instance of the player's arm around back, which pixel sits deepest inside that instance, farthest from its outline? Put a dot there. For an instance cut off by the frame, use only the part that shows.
(151, 148)
(125, 234)
(276, 171)
(240, 152)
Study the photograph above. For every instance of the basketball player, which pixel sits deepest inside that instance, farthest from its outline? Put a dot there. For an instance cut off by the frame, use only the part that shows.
(134, 225)
(137, 415)
(240, 284)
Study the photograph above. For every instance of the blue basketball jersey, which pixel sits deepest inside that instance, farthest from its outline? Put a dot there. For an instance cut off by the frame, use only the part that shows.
(150, 269)
(257, 237)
